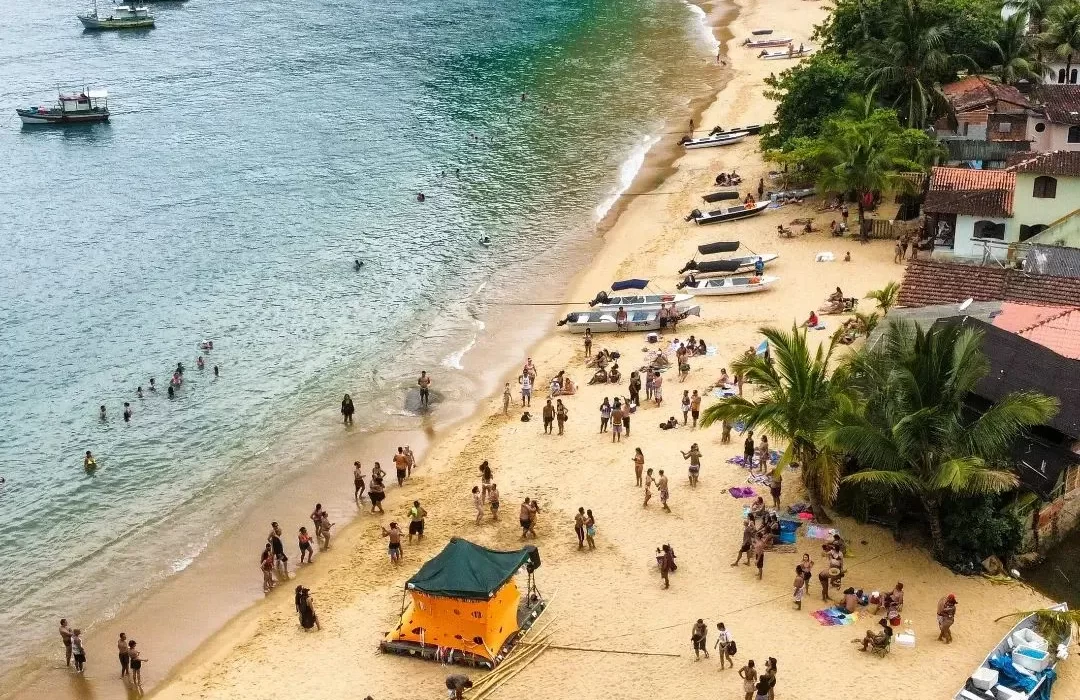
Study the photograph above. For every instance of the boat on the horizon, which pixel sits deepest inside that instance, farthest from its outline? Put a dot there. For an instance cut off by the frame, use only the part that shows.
(73, 108)
(637, 302)
(717, 216)
(790, 52)
(765, 43)
(636, 320)
(725, 286)
(723, 139)
(999, 676)
(122, 17)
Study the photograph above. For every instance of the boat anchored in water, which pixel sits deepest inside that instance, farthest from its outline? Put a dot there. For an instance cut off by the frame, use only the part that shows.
(75, 108)
(122, 17)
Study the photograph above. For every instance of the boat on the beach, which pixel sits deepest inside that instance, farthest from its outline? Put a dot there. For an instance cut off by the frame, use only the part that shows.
(727, 265)
(725, 286)
(720, 196)
(637, 320)
(751, 129)
(637, 302)
(765, 43)
(789, 52)
(791, 194)
(1021, 666)
(717, 216)
(73, 108)
(122, 17)
(760, 32)
(724, 139)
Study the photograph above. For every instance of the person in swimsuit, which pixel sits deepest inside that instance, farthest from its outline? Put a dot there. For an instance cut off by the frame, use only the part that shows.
(639, 465)
(667, 564)
(590, 529)
(626, 418)
(410, 463)
(616, 422)
(946, 615)
(799, 587)
(699, 639)
(588, 342)
(506, 399)
(136, 663)
(658, 388)
(347, 410)
(424, 382)
(561, 415)
(279, 549)
(759, 555)
(579, 528)
(748, 452)
(358, 481)
(662, 487)
(65, 637)
(394, 534)
(376, 494)
(694, 455)
(648, 487)
(695, 408)
(306, 609)
(493, 501)
(401, 466)
(478, 504)
(747, 542)
(549, 417)
(775, 486)
(266, 565)
(89, 463)
(122, 652)
(749, 675)
(306, 549)
(486, 478)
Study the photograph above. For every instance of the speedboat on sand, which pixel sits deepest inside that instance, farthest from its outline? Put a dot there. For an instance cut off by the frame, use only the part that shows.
(637, 320)
(724, 286)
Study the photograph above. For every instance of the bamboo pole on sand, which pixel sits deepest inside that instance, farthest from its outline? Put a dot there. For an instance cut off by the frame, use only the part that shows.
(532, 653)
(604, 651)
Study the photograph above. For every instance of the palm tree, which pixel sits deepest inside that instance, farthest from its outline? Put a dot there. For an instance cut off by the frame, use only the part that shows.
(911, 430)
(1015, 52)
(1062, 35)
(795, 395)
(910, 63)
(886, 297)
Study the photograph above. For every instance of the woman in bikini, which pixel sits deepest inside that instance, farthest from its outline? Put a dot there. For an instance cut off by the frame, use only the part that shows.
(136, 663)
(639, 465)
(749, 675)
(648, 487)
(485, 481)
(377, 493)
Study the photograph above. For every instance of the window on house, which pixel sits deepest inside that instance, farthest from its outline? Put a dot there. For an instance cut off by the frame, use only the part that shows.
(1045, 187)
(1027, 232)
(989, 229)
(965, 131)
(1040, 127)
(1074, 134)
(1072, 77)
(1061, 75)
(1004, 127)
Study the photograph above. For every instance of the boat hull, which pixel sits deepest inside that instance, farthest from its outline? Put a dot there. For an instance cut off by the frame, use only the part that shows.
(604, 321)
(714, 141)
(730, 214)
(784, 55)
(37, 118)
(681, 301)
(731, 286)
(95, 24)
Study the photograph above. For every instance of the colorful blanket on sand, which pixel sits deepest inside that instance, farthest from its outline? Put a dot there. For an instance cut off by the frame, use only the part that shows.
(817, 532)
(774, 457)
(742, 492)
(833, 617)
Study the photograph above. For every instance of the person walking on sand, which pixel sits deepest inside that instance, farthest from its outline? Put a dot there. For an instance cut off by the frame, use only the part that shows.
(616, 422)
(304, 542)
(486, 478)
(588, 342)
(526, 516)
(526, 390)
(759, 555)
(748, 452)
(723, 645)
(590, 529)
(605, 414)
(266, 565)
(274, 538)
(684, 405)
(417, 515)
(136, 663)
(695, 408)
(667, 564)
(749, 678)
(478, 504)
(561, 414)
(347, 410)
(506, 399)
(376, 493)
(579, 528)
(424, 382)
(493, 501)
(648, 487)
(662, 487)
(639, 465)
(694, 455)
(946, 615)
(699, 639)
(410, 461)
(747, 542)
(394, 536)
(549, 417)
(122, 652)
(401, 466)
(358, 482)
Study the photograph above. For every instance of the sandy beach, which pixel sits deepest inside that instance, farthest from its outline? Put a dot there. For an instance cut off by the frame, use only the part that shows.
(612, 597)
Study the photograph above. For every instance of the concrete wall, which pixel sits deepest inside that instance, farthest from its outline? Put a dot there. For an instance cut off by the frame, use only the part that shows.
(1053, 137)
(1029, 210)
(965, 244)
(1065, 233)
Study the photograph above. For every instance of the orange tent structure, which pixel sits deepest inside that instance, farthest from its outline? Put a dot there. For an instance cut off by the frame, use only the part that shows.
(464, 606)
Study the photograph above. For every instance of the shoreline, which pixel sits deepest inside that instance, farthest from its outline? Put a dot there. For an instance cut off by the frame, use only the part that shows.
(148, 611)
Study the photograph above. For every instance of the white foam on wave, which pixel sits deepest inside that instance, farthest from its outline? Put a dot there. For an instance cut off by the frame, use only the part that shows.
(453, 360)
(703, 24)
(627, 172)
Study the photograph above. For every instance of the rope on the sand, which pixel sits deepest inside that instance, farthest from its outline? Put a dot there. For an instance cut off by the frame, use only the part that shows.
(730, 612)
(606, 651)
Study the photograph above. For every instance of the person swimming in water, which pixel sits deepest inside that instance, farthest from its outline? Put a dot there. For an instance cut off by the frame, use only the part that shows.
(101, 413)
(89, 463)
(215, 371)
(485, 240)
(172, 393)
(199, 363)
(420, 197)
(357, 264)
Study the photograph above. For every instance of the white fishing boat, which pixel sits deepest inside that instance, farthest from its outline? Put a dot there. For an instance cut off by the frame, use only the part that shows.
(766, 43)
(790, 52)
(1019, 666)
(725, 139)
(640, 302)
(73, 108)
(637, 320)
(121, 17)
(724, 286)
(739, 211)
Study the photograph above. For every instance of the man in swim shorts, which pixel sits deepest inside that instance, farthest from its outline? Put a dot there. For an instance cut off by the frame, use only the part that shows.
(424, 382)
(274, 538)
(416, 521)
(394, 534)
(401, 466)
(525, 517)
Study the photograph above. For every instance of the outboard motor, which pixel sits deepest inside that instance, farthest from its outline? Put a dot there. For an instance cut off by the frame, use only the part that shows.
(693, 215)
(601, 298)
(691, 265)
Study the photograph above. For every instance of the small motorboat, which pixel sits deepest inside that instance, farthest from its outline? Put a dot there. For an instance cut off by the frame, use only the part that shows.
(637, 302)
(727, 266)
(789, 52)
(76, 108)
(760, 32)
(752, 129)
(717, 216)
(720, 196)
(765, 43)
(484, 241)
(1019, 666)
(724, 139)
(637, 320)
(122, 17)
(724, 286)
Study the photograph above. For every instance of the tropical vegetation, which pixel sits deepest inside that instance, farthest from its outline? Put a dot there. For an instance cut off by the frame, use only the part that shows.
(893, 422)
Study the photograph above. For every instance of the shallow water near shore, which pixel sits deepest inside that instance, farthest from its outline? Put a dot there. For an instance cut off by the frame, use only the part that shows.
(248, 162)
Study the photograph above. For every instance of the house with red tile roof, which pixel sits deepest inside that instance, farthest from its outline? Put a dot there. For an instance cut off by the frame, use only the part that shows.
(1055, 125)
(1047, 189)
(966, 207)
(1053, 327)
(988, 121)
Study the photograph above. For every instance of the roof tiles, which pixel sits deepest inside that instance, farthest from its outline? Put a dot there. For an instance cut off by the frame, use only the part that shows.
(972, 192)
(1062, 163)
(1053, 327)
(930, 282)
(1061, 103)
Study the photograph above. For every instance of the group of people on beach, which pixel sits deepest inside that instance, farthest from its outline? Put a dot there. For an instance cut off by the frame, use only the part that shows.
(131, 658)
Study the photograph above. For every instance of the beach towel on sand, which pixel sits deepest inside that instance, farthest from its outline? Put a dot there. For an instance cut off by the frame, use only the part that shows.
(742, 492)
(833, 617)
(818, 532)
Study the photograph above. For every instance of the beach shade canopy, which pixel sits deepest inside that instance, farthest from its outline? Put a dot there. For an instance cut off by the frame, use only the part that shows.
(718, 266)
(629, 284)
(718, 247)
(468, 571)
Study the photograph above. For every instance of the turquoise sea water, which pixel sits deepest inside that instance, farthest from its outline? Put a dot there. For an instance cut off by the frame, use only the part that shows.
(256, 149)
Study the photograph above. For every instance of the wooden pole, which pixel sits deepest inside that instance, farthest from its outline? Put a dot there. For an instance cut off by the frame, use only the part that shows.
(516, 659)
(604, 651)
(533, 653)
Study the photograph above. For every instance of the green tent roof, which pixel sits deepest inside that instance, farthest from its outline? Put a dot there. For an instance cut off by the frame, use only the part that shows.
(467, 570)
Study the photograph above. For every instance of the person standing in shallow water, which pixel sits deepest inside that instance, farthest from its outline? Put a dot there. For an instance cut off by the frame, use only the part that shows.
(347, 410)
(424, 382)
(65, 637)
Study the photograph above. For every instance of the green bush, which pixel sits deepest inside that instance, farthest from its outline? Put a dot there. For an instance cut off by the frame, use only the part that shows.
(976, 527)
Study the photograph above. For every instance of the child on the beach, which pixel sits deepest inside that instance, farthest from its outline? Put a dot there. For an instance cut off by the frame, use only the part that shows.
(800, 587)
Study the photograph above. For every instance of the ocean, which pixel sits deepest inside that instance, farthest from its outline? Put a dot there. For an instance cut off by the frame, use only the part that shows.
(255, 150)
